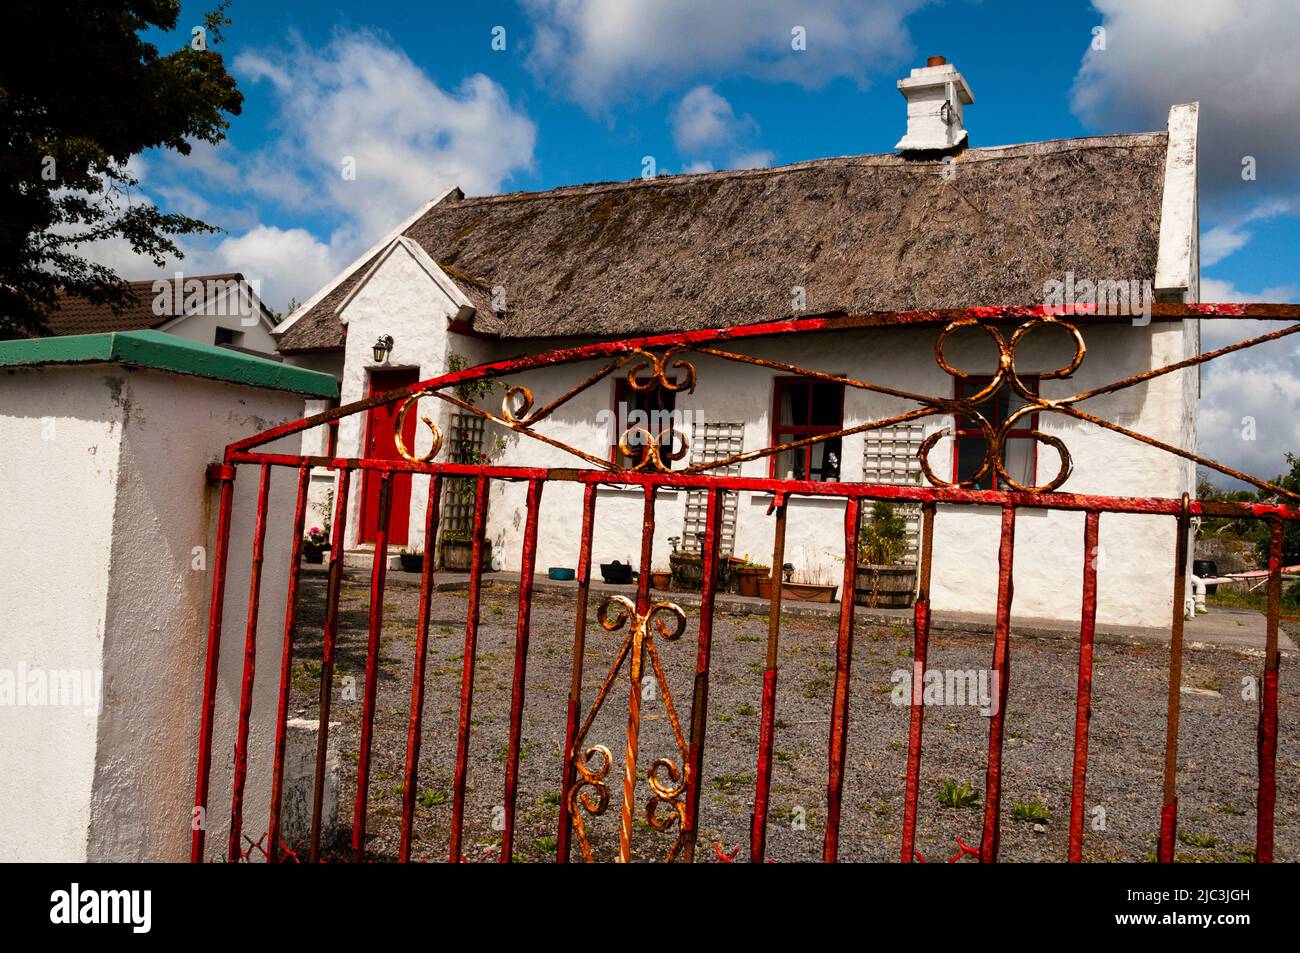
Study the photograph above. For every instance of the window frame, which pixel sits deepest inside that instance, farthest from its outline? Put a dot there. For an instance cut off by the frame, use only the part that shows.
(625, 393)
(976, 383)
(779, 384)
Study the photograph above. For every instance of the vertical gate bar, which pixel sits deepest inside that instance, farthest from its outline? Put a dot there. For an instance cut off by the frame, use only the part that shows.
(634, 695)
(700, 695)
(920, 651)
(467, 667)
(250, 665)
(417, 680)
(203, 773)
(526, 566)
(1267, 736)
(767, 721)
(840, 707)
(1002, 674)
(564, 835)
(378, 576)
(1169, 809)
(1083, 703)
(286, 667)
(328, 633)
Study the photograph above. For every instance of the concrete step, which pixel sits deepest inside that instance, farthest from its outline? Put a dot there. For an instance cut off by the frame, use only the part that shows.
(363, 557)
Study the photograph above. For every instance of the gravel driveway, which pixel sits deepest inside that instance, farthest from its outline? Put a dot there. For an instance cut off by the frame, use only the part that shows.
(1217, 761)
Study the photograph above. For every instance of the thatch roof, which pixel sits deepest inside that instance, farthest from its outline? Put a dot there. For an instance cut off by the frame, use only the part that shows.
(858, 234)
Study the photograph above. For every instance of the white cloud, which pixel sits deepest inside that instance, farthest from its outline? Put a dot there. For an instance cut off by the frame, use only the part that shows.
(1231, 235)
(1260, 383)
(361, 100)
(704, 120)
(705, 124)
(359, 97)
(602, 51)
(1238, 59)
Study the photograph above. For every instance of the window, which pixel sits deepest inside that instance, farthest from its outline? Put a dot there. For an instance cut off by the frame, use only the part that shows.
(332, 432)
(228, 337)
(649, 410)
(1019, 450)
(804, 408)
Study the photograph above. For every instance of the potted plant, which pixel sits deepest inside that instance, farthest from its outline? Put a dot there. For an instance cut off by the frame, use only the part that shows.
(748, 576)
(661, 578)
(810, 584)
(882, 581)
(457, 548)
(411, 560)
(315, 544)
(764, 582)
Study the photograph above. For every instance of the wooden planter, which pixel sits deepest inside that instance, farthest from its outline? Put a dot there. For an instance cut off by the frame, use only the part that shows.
(808, 591)
(457, 553)
(885, 587)
(688, 571)
(749, 577)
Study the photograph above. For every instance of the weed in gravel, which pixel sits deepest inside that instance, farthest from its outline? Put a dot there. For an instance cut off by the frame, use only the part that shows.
(1197, 840)
(431, 798)
(1030, 811)
(952, 794)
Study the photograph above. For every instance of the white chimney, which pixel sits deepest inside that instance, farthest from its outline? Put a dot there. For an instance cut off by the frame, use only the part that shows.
(935, 95)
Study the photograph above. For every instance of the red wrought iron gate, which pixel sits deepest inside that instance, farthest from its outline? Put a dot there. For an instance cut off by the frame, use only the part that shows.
(588, 774)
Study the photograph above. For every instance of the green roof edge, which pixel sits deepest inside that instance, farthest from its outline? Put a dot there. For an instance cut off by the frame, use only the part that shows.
(167, 352)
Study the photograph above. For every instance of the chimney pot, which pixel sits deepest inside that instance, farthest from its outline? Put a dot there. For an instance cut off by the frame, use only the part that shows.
(935, 94)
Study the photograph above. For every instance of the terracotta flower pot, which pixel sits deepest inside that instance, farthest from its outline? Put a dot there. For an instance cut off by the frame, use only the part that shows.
(661, 580)
(748, 579)
(808, 591)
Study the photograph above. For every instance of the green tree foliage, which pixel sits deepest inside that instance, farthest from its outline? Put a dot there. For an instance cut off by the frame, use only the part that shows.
(81, 93)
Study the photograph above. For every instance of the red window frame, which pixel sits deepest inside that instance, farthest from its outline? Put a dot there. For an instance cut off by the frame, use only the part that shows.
(788, 433)
(658, 399)
(332, 432)
(972, 386)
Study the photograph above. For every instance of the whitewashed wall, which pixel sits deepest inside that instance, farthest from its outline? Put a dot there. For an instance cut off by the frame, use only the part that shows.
(103, 514)
(1135, 564)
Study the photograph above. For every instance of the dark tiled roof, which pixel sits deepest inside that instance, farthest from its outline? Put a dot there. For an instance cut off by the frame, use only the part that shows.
(76, 315)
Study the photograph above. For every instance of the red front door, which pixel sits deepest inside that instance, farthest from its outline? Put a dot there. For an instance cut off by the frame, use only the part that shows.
(379, 444)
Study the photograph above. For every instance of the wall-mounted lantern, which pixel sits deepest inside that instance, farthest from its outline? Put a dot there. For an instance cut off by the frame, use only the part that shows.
(383, 347)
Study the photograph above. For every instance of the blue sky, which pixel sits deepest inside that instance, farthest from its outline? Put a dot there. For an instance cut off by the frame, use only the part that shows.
(417, 96)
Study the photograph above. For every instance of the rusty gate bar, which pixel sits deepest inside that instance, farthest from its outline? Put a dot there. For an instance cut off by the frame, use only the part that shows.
(378, 576)
(250, 665)
(1083, 699)
(565, 832)
(286, 667)
(840, 705)
(527, 563)
(225, 474)
(1169, 810)
(920, 652)
(1267, 734)
(700, 693)
(767, 723)
(634, 692)
(481, 495)
(411, 777)
(328, 634)
(1002, 675)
